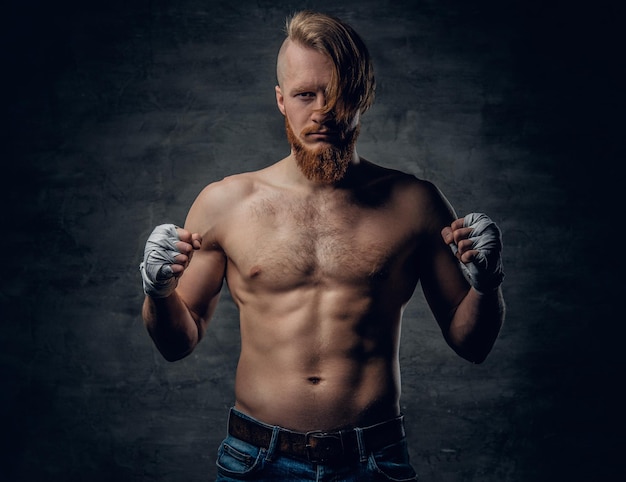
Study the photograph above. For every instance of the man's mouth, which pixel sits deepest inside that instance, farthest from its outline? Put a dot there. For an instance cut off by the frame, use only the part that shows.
(323, 134)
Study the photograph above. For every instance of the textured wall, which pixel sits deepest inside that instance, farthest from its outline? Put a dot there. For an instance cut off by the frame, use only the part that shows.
(119, 112)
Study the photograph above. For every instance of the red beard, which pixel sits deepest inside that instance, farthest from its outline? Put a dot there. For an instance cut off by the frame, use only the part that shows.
(329, 164)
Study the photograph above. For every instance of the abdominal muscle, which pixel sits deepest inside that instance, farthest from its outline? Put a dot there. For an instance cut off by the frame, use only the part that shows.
(307, 368)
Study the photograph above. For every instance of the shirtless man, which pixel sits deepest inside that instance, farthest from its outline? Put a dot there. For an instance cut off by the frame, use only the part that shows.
(321, 252)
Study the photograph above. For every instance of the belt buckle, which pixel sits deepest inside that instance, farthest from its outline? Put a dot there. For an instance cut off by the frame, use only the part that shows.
(328, 446)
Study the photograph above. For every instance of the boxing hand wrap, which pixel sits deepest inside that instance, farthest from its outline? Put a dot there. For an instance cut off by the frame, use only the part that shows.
(159, 255)
(485, 271)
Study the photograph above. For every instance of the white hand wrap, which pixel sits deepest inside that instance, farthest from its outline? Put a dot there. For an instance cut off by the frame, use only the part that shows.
(485, 271)
(159, 255)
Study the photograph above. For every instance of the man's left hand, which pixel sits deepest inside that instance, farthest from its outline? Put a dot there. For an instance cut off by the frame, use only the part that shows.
(477, 242)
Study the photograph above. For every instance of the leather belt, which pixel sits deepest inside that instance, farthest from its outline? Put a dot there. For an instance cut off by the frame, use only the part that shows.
(317, 446)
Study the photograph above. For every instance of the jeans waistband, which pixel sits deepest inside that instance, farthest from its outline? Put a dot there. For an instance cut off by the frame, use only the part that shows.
(316, 446)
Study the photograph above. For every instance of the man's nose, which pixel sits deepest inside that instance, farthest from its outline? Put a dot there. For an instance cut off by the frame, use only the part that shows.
(319, 115)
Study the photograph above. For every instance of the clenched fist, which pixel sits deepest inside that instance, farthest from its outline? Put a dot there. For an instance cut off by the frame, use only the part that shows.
(166, 256)
(477, 242)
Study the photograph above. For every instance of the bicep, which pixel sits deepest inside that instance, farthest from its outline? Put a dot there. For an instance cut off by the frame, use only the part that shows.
(201, 283)
(443, 283)
(210, 216)
(442, 279)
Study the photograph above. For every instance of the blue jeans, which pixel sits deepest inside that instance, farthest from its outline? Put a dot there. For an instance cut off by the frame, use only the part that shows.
(238, 460)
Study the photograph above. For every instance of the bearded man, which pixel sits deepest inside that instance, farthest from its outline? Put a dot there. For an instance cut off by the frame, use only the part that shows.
(321, 252)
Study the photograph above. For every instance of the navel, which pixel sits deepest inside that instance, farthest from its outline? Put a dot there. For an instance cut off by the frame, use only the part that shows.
(314, 380)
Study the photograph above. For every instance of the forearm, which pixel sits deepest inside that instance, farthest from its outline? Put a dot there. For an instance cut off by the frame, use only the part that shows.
(476, 324)
(172, 326)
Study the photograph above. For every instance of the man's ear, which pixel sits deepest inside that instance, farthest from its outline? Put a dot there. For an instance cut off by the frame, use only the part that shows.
(280, 100)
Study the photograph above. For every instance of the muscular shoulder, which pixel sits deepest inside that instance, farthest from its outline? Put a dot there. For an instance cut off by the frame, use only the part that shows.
(411, 193)
(229, 190)
(217, 201)
(428, 203)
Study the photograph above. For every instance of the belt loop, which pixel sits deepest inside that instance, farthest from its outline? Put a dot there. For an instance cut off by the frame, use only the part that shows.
(361, 443)
(271, 450)
(230, 416)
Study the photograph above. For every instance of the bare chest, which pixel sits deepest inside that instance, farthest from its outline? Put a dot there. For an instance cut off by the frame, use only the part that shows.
(284, 244)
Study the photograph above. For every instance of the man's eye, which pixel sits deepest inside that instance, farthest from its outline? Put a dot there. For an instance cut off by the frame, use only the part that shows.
(306, 95)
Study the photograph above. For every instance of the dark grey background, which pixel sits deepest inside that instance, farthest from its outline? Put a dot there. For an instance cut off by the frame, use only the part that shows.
(117, 113)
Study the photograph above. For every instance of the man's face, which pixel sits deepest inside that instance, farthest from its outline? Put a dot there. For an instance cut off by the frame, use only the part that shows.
(322, 147)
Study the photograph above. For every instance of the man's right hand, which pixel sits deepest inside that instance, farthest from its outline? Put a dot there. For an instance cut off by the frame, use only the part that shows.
(166, 256)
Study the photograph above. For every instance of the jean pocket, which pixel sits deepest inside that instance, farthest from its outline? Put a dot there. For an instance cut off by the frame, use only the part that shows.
(392, 463)
(238, 459)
